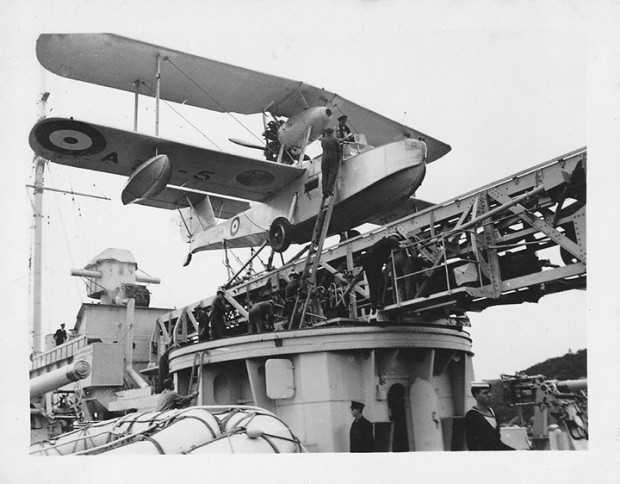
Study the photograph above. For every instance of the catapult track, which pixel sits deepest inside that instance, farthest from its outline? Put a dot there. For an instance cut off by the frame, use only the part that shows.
(493, 237)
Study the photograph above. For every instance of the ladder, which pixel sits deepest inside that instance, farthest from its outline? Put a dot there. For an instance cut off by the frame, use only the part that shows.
(307, 281)
(196, 376)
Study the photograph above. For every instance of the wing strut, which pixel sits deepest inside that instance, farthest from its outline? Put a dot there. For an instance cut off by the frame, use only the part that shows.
(249, 261)
(157, 94)
(136, 83)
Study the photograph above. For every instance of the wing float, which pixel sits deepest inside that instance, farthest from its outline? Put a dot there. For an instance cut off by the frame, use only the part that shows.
(194, 171)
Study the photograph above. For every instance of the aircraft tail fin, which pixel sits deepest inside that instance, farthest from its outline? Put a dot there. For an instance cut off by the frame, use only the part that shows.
(197, 218)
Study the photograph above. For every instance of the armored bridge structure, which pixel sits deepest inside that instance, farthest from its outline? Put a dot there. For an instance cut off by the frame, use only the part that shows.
(509, 242)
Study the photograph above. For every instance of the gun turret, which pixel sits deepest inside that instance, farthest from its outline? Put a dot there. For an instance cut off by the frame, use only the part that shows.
(58, 378)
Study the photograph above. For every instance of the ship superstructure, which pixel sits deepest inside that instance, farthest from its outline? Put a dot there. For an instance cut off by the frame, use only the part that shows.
(411, 361)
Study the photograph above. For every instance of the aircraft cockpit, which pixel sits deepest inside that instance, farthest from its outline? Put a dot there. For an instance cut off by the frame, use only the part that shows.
(355, 147)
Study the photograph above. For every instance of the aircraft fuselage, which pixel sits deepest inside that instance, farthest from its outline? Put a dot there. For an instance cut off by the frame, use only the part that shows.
(369, 183)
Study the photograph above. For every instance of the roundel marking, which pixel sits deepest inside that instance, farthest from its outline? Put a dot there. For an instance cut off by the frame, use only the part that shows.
(234, 226)
(70, 138)
(255, 178)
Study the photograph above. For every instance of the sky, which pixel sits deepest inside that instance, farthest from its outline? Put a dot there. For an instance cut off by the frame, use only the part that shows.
(507, 84)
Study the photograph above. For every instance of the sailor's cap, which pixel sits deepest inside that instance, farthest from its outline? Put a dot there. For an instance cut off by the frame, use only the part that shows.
(220, 290)
(357, 405)
(343, 118)
(480, 385)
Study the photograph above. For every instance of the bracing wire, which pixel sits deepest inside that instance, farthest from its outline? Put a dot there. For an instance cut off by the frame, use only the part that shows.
(70, 251)
(213, 99)
(184, 118)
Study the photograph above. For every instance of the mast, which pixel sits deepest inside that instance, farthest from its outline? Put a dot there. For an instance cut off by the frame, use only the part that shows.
(37, 262)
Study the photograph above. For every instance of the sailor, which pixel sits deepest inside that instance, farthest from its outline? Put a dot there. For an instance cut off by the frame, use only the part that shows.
(218, 316)
(481, 425)
(343, 133)
(203, 324)
(361, 434)
(260, 317)
(373, 262)
(60, 336)
(163, 369)
(290, 293)
(170, 399)
(404, 269)
(329, 161)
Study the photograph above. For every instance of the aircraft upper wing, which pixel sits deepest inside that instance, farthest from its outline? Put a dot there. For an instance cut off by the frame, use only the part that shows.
(118, 62)
(100, 148)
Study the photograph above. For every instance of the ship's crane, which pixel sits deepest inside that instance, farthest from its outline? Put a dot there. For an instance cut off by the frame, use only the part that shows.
(508, 242)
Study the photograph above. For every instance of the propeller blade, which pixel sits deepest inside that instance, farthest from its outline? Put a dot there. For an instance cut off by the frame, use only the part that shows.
(247, 144)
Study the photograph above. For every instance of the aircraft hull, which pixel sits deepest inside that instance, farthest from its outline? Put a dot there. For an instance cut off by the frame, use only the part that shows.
(363, 206)
(369, 184)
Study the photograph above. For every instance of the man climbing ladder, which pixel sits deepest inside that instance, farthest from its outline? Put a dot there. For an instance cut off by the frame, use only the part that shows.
(330, 161)
(330, 170)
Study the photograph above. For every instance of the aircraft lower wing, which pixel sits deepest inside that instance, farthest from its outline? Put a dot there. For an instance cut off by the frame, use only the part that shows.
(173, 198)
(110, 150)
(114, 61)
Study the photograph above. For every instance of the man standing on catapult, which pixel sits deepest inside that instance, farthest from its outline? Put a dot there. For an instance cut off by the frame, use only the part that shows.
(481, 425)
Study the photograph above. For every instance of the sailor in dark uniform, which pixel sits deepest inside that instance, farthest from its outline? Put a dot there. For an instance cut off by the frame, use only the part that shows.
(343, 133)
(481, 425)
(373, 262)
(329, 161)
(61, 335)
(290, 294)
(218, 316)
(361, 435)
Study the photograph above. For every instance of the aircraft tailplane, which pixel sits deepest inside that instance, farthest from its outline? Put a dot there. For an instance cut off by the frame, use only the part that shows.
(197, 218)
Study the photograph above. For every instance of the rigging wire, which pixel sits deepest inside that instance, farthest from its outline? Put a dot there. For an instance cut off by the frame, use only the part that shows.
(184, 118)
(70, 251)
(213, 99)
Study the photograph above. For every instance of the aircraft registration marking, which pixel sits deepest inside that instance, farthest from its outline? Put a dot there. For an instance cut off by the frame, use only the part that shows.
(113, 157)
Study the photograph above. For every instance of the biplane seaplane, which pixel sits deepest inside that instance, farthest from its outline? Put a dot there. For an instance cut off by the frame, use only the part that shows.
(226, 198)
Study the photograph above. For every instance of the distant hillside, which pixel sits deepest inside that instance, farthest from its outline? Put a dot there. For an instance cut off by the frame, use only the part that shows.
(571, 366)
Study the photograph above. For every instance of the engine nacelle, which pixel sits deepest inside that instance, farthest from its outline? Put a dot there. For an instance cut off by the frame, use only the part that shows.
(291, 133)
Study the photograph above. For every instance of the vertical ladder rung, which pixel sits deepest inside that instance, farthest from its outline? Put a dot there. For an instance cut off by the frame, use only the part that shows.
(319, 233)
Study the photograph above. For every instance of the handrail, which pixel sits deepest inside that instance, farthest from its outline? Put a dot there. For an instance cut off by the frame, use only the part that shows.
(59, 353)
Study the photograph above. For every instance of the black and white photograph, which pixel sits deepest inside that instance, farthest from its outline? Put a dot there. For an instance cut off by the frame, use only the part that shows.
(327, 228)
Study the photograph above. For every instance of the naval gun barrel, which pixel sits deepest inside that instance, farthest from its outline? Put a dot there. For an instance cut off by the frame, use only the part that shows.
(58, 378)
(98, 275)
(571, 385)
(148, 279)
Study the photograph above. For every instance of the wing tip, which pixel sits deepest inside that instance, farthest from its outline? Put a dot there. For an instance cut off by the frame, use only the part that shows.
(439, 152)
